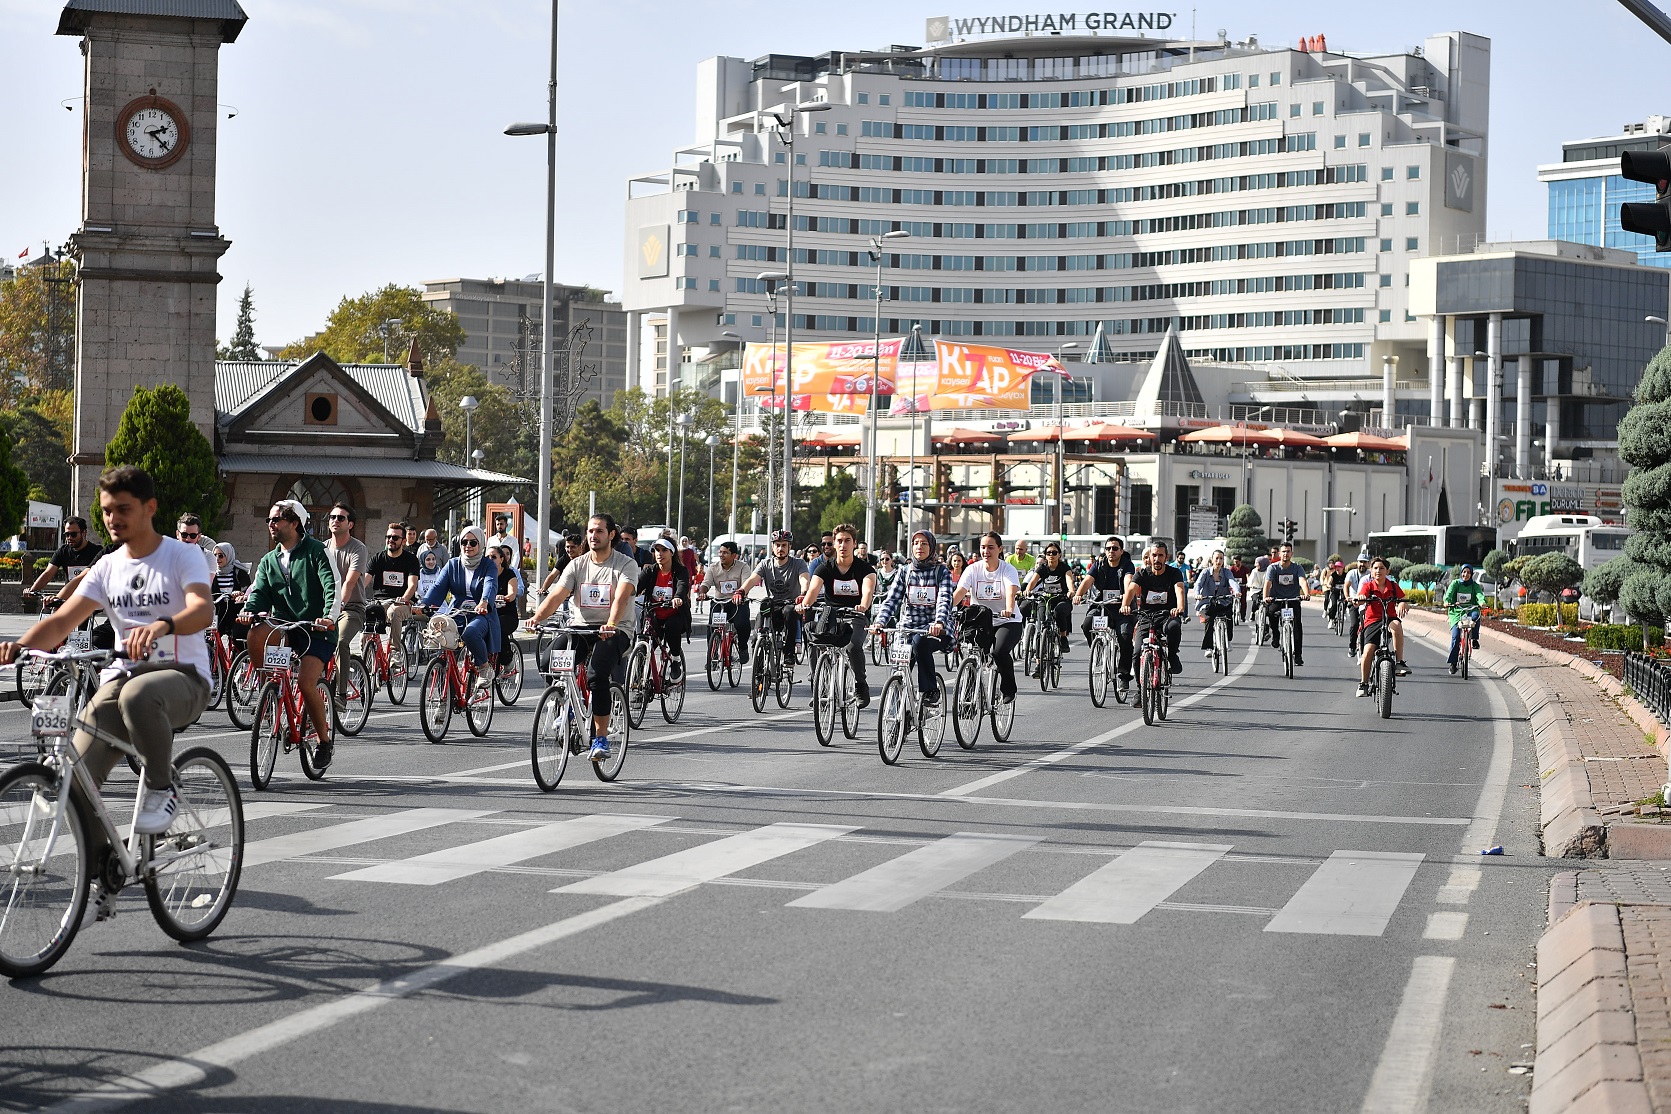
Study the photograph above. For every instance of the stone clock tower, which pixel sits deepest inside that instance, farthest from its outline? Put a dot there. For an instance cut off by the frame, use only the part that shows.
(148, 246)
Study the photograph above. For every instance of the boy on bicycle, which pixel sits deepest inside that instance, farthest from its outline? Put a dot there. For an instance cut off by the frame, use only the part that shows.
(723, 584)
(843, 579)
(1463, 596)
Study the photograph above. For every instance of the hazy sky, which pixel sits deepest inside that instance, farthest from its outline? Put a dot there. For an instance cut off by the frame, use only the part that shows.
(367, 145)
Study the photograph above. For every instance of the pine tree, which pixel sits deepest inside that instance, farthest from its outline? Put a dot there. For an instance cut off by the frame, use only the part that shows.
(156, 433)
(1645, 444)
(1245, 535)
(243, 346)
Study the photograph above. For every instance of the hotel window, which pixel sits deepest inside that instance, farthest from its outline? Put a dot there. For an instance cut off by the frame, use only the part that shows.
(883, 98)
(1339, 142)
(713, 251)
(1293, 110)
(1317, 108)
(841, 129)
(760, 188)
(1412, 172)
(1385, 316)
(1386, 208)
(736, 187)
(820, 128)
(1253, 81)
(1276, 79)
(713, 285)
(864, 98)
(1412, 208)
(1386, 280)
(1410, 243)
(713, 219)
(1363, 139)
(778, 158)
(800, 160)
(756, 320)
(1386, 174)
(1386, 245)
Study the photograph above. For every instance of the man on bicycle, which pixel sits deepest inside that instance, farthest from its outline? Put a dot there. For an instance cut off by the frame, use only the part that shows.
(843, 579)
(991, 585)
(1156, 593)
(1052, 577)
(1285, 587)
(156, 592)
(1216, 593)
(723, 586)
(924, 588)
(1383, 607)
(394, 585)
(785, 577)
(1355, 579)
(295, 583)
(602, 581)
(666, 585)
(1107, 575)
(1463, 597)
(76, 555)
(351, 562)
(1332, 581)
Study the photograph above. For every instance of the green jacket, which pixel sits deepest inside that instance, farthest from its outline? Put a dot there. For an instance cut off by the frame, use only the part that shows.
(309, 592)
(1462, 597)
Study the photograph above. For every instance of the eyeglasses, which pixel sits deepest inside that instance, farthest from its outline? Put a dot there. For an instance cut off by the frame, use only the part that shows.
(1053, 553)
(339, 518)
(189, 537)
(1112, 548)
(470, 543)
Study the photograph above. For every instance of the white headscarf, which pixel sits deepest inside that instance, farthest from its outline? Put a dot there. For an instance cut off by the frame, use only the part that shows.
(481, 546)
(231, 556)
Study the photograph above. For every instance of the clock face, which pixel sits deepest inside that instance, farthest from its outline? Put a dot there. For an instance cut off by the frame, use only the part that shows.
(152, 131)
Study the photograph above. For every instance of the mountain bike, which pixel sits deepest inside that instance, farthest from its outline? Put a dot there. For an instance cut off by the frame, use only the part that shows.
(451, 684)
(902, 708)
(1154, 679)
(383, 653)
(833, 684)
(722, 656)
(975, 696)
(281, 718)
(773, 668)
(563, 717)
(1105, 651)
(48, 811)
(653, 669)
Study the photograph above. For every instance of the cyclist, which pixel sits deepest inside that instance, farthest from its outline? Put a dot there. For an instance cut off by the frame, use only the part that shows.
(231, 580)
(785, 577)
(472, 579)
(1107, 575)
(1463, 596)
(351, 561)
(925, 589)
(571, 548)
(1216, 592)
(190, 530)
(1383, 603)
(723, 587)
(73, 558)
(508, 601)
(666, 584)
(602, 581)
(1241, 571)
(295, 583)
(1332, 581)
(156, 592)
(1052, 578)
(394, 586)
(1156, 593)
(886, 570)
(991, 585)
(1285, 586)
(1022, 559)
(843, 579)
(1355, 578)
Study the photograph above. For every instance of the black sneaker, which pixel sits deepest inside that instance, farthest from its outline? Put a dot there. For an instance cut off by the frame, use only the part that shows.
(1363, 688)
(1401, 669)
(322, 755)
(931, 699)
(1174, 664)
(742, 655)
(1453, 669)
(864, 698)
(1298, 660)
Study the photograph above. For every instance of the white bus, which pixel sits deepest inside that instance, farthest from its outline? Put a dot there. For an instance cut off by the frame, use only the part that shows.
(1583, 537)
(1434, 545)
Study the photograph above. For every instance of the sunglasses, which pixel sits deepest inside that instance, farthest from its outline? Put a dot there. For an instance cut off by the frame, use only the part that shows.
(469, 543)
(1111, 548)
(339, 518)
(190, 537)
(395, 538)
(1053, 553)
(72, 533)
(278, 518)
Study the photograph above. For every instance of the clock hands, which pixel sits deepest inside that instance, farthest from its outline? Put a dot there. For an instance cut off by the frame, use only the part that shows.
(157, 134)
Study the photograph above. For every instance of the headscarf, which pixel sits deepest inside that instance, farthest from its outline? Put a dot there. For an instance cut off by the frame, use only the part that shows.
(431, 559)
(231, 556)
(933, 558)
(481, 546)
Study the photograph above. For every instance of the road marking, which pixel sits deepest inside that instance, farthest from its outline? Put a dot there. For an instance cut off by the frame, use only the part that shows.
(194, 1067)
(1446, 924)
(1404, 1074)
(514, 847)
(898, 882)
(679, 871)
(194, 737)
(1488, 809)
(1354, 893)
(1134, 883)
(1098, 740)
(733, 725)
(355, 831)
(1460, 886)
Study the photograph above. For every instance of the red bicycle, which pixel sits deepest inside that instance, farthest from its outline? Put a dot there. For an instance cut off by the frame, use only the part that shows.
(384, 654)
(653, 670)
(722, 646)
(281, 719)
(450, 684)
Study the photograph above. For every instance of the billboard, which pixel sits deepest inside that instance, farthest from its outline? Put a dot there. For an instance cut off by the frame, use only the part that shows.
(1518, 501)
(971, 377)
(830, 377)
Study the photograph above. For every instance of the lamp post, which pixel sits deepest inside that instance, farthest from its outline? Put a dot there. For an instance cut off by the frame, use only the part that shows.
(683, 423)
(910, 515)
(547, 353)
(481, 502)
(736, 451)
(771, 279)
(384, 328)
(1061, 457)
(786, 134)
(667, 503)
(467, 404)
(875, 375)
(1247, 462)
(1662, 323)
(712, 441)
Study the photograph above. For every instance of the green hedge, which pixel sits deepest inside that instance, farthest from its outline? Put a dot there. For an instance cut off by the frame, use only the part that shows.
(1613, 636)
(1543, 615)
(1420, 597)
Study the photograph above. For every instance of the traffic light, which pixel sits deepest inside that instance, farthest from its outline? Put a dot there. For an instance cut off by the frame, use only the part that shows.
(1648, 218)
(1289, 529)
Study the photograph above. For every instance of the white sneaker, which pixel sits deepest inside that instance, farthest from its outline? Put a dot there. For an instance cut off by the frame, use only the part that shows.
(100, 906)
(156, 812)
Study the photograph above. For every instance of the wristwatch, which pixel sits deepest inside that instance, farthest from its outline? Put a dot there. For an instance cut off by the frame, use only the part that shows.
(170, 621)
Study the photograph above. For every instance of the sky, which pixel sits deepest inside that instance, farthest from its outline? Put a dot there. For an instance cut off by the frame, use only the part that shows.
(367, 148)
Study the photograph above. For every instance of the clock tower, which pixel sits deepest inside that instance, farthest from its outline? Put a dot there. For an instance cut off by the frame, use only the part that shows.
(148, 248)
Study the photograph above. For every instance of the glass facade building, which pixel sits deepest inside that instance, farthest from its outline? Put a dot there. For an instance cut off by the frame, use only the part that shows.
(1586, 190)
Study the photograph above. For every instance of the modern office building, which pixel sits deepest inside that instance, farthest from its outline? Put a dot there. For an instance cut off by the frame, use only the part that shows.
(501, 319)
(1265, 201)
(1586, 190)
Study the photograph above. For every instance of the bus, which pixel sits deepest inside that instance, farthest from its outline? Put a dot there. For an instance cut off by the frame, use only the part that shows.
(1583, 537)
(1435, 545)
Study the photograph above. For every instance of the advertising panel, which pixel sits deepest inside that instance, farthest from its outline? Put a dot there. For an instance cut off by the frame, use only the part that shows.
(1521, 500)
(830, 377)
(972, 376)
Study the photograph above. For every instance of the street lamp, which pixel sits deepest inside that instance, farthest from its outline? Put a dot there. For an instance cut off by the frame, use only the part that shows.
(712, 441)
(467, 404)
(481, 502)
(915, 343)
(875, 375)
(667, 504)
(1662, 323)
(771, 279)
(736, 450)
(786, 134)
(1061, 460)
(385, 327)
(549, 130)
(684, 428)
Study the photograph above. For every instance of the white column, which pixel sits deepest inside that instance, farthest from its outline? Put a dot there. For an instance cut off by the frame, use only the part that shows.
(674, 360)
(1458, 406)
(635, 350)
(1523, 420)
(1436, 370)
(1493, 400)
(1389, 392)
(1551, 431)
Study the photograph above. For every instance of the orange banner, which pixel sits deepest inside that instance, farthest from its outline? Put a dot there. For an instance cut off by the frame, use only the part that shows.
(971, 376)
(831, 377)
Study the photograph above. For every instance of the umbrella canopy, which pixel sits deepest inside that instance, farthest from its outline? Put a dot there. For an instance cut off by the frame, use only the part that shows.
(1237, 435)
(1368, 442)
(1107, 431)
(829, 438)
(1043, 433)
(962, 436)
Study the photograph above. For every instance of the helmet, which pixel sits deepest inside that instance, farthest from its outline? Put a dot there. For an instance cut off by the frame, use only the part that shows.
(441, 633)
(782, 536)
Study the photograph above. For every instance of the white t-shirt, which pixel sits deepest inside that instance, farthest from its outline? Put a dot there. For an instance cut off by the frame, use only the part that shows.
(593, 587)
(988, 588)
(136, 592)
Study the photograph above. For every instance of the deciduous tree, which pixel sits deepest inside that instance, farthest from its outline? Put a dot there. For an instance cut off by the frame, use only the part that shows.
(355, 331)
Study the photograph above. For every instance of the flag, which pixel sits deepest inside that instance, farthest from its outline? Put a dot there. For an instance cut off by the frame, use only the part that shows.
(24, 254)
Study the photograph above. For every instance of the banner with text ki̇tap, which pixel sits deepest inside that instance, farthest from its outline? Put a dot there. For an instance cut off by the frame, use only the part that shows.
(830, 377)
(969, 377)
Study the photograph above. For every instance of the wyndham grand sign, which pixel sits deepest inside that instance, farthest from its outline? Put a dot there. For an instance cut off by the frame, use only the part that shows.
(944, 28)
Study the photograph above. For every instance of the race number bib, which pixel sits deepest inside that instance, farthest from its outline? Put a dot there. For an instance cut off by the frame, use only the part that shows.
(562, 661)
(75, 570)
(1154, 598)
(393, 578)
(990, 590)
(277, 657)
(597, 595)
(921, 595)
(1288, 613)
(718, 620)
(1099, 622)
(79, 641)
(160, 652)
(1285, 578)
(663, 592)
(728, 587)
(49, 716)
(845, 587)
(899, 654)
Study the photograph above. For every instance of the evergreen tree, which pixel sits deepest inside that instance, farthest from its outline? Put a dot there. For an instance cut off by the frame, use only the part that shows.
(1645, 444)
(243, 346)
(1245, 535)
(14, 492)
(156, 433)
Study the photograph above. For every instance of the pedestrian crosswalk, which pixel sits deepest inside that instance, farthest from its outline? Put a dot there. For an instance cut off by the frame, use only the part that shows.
(1352, 893)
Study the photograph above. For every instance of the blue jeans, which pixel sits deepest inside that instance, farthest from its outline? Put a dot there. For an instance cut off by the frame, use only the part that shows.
(1456, 638)
(475, 635)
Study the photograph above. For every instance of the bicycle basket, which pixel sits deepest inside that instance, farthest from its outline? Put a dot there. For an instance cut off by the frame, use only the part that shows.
(441, 634)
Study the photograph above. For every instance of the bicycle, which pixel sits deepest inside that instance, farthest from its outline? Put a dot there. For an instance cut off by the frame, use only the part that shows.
(773, 668)
(1256, 607)
(833, 683)
(190, 872)
(722, 648)
(1105, 652)
(1334, 606)
(450, 684)
(902, 708)
(1383, 671)
(974, 696)
(30, 675)
(878, 641)
(220, 653)
(507, 671)
(1043, 646)
(1465, 648)
(1154, 679)
(1286, 619)
(281, 718)
(653, 670)
(563, 718)
(377, 654)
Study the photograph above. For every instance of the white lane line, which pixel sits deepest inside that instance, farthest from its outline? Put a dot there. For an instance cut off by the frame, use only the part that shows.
(1405, 1072)
(1488, 809)
(1098, 740)
(453, 863)
(355, 831)
(915, 875)
(194, 1067)
(1354, 893)
(733, 725)
(1446, 924)
(683, 869)
(1130, 886)
(1460, 886)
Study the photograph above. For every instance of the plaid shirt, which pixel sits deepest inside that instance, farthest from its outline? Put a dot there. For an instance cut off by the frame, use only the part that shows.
(937, 577)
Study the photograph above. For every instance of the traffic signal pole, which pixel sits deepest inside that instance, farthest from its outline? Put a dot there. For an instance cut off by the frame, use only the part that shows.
(1656, 20)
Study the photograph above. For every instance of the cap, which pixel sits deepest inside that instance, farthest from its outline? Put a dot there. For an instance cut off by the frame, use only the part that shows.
(294, 508)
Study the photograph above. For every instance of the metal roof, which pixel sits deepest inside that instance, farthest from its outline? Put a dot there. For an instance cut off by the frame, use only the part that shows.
(240, 385)
(371, 467)
(74, 18)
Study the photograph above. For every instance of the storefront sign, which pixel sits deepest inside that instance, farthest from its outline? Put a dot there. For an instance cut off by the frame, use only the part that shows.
(1519, 501)
(1203, 474)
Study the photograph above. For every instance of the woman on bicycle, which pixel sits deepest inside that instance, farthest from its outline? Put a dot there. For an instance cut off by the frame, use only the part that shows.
(924, 589)
(990, 586)
(1216, 593)
(1052, 577)
(231, 580)
(472, 580)
(666, 584)
(1463, 597)
(509, 599)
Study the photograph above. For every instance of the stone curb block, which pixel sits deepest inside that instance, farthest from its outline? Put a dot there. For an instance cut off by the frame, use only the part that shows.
(1587, 1059)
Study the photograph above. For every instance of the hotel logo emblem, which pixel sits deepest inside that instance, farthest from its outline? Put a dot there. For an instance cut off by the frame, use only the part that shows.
(1459, 182)
(652, 251)
(939, 29)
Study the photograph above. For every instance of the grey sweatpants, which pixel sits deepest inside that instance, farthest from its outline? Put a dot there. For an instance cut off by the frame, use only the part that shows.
(145, 706)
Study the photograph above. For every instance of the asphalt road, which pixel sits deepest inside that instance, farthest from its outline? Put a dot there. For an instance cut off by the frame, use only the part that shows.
(1272, 902)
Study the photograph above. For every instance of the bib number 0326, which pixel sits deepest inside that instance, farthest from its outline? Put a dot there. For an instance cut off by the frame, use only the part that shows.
(50, 716)
(899, 654)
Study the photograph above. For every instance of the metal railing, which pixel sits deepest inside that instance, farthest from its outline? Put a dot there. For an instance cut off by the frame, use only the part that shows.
(1651, 682)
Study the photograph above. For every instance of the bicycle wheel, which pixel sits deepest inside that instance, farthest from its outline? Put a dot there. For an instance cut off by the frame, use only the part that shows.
(478, 707)
(195, 865)
(1099, 672)
(1464, 652)
(1221, 646)
(878, 648)
(399, 679)
(310, 740)
(638, 684)
(1048, 651)
(554, 728)
(350, 715)
(30, 675)
(266, 737)
(1056, 669)
(1030, 649)
(217, 678)
(1384, 681)
(1288, 649)
(673, 677)
(620, 728)
(44, 888)
(1146, 684)
(890, 722)
(931, 726)
(847, 689)
(243, 691)
(1163, 698)
(435, 701)
(824, 700)
(507, 680)
(1003, 711)
(733, 667)
(715, 661)
(760, 674)
(784, 688)
(967, 712)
